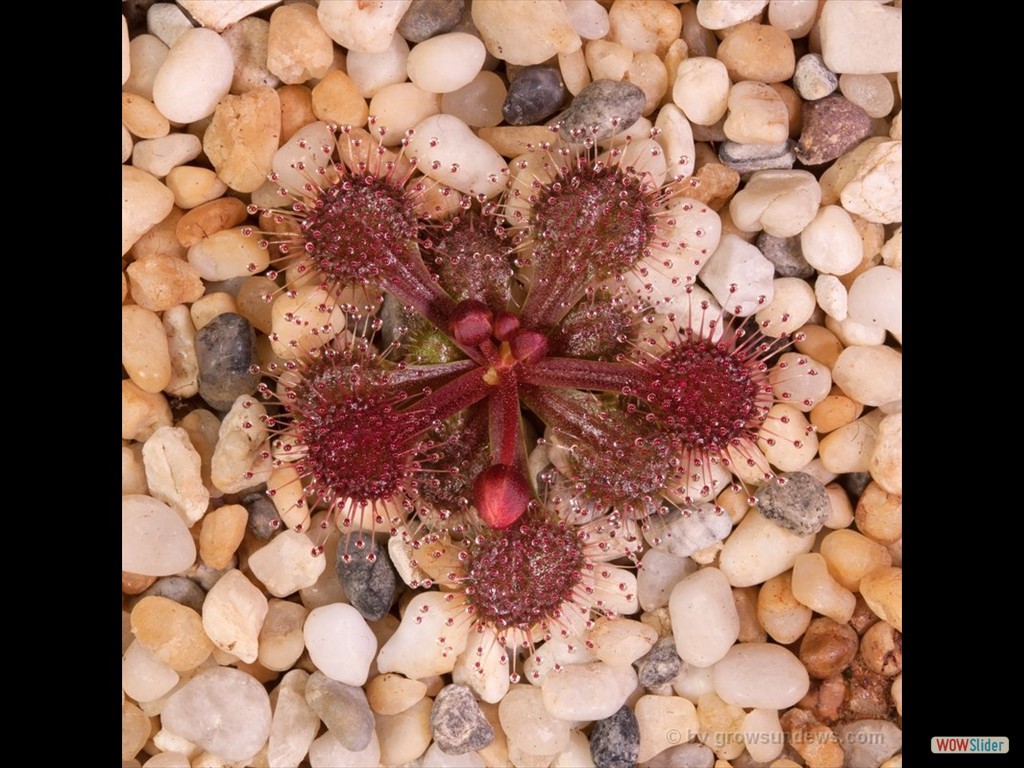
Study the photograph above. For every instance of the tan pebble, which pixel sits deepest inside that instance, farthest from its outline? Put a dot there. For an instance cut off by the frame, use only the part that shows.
(304, 322)
(783, 616)
(794, 106)
(405, 736)
(663, 721)
(181, 343)
(158, 156)
(298, 48)
(208, 219)
(712, 184)
(648, 73)
(828, 647)
(607, 60)
(495, 753)
(296, 109)
(172, 632)
(886, 463)
(336, 99)
(879, 514)
(760, 52)
(173, 473)
(142, 118)
(849, 448)
(814, 587)
(751, 630)
(248, 41)
(820, 343)
(674, 56)
(194, 186)
(833, 412)
(144, 352)
(575, 74)
(242, 458)
(252, 301)
(285, 489)
(842, 171)
(897, 693)
(851, 555)
(134, 583)
(882, 590)
(391, 693)
(227, 254)
(145, 202)
(210, 306)
(222, 531)
(757, 115)
(818, 746)
(160, 240)
(161, 282)
(124, 286)
(243, 137)
(512, 141)
(400, 106)
(133, 473)
(644, 26)
(881, 649)
(203, 428)
(142, 412)
(841, 508)
(721, 725)
(135, 730)
(281, 640)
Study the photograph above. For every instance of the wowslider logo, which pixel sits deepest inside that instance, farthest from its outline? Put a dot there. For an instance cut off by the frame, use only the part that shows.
(975, 745)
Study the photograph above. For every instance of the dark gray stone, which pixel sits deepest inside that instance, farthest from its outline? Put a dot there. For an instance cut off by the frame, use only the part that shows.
(660, 664)
(427, 18)
(744, 158)
(344, 710)
(264, 521)
(795, 501)
(602, 109)
(615, 741)
(369, 578)
(831, 127)
(786, 254)
(180, 590)
(534, 94)
(457, 723)
(226, 352)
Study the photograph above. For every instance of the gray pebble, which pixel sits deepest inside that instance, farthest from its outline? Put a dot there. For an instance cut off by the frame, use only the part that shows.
(812, 79)
(180, 590)
(206, 577)
(615, 741)
(534, 94)
(795, 501)
(602, 109)
(684, 531)
(427, 18)
(660, 664)
(457, 723)
(744, 158)
(855, 483)
(786, 254)
(344, 710)
(683, 756)
(264, 521)
(369, 581)
(226, 352)
(869, 743)
(831, 126)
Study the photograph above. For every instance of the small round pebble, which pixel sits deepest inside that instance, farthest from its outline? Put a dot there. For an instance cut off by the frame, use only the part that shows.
(534, 94)
(828, 647)
(154, 539)
(446, 63)
(457, 723)
(226, 351)
(196, 74)
(602, 109)
(369, 578)
(427, 18)
(615, 741)
(812, 79)
(796, 501)
(340, 643)
(660, 665)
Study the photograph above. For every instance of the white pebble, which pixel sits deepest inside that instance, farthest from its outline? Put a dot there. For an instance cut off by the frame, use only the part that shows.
(719, 14)
(664, 722)
(478, 104)
(861, 38)
(167, 22)
(126, 56)
(782, 203)
(790, 309)
(704, 618)
(483, 667)
(327, 752)
(195, 75)
(556, 652)
(853, 334)
(787, 439)
(447, 62)
(794, 17)
(159, 156)
(223, 710)
(831, 243)
(529, 725)
(424, 644)
(145, 201)
(870, 375)
(294, 725)
(739, 276)
(695, 528)
(758, 549)
(143, 676)
(676, 138)
(659, 572)
(763, 675)
(311, 146)
(361, 26)
(621, 641)
(872, 93)
(340, 643)
(757, 115)
(154, 540)
(876, 299)
(701, 89)
(373, 71)
(242, 457)
(876, 190)
(148, 53)
(173, 473)
(831, 296)
(233, 613)
(449, 152)
(525, 32)
(228, 254)
(400, 107)
(588, 18)
(286, 564)
(591, 691)
(800, 381)
(763, 735)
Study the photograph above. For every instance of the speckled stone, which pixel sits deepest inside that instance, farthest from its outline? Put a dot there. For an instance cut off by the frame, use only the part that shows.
(603, 108)
(786, 254)
(368, 582)
(660, 665)
(744, 158)
(831, 126)
(428, 18)
(457, 723)
(615, 741)
(343, 708)
(226, 351)
(812, 79)
(795, 501)
(180, 590)
(534, 94)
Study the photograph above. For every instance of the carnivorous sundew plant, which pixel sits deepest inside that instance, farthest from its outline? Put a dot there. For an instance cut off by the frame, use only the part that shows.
(515, 387)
